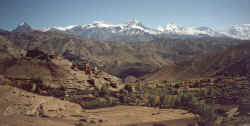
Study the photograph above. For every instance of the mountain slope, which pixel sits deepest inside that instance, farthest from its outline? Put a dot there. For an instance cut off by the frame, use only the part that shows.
(112, 57)
(8, 50)
(118, 58)
(23, 27)
(231, 62)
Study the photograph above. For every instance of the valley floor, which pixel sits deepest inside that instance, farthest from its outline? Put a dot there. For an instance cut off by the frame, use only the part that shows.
(22, 108)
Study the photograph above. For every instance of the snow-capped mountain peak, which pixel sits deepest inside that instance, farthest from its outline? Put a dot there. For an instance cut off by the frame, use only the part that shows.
(203, 28)
(99, 24)
(135, 29)
(65, 28)
(131, 27)
(175, 29)
(190, 31)
(169, 28)
(23, 27)
(22, 24)
(239, 31)
(134, 22)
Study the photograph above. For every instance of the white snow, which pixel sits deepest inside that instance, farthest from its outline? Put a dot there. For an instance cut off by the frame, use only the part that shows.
(98, 24)
(133, 22)
(119, 28)
(44, 29)
(65, 28)
(21, 24)
(239, 31)
(176, 29)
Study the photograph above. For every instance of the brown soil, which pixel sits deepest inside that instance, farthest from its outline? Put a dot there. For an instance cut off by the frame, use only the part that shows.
(128, 115)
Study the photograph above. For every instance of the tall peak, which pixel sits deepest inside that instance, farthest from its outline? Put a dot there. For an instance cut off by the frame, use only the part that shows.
(98, 22)
(169, 27)
(23, 27)
(23, 24)
(134, 22)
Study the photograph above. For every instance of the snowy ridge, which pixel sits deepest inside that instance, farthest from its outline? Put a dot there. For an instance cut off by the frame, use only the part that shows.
(175, 29)
(239, 31)
(23, 27)
(65, 28)
(135, 29)
(22, 24)
(117, 28)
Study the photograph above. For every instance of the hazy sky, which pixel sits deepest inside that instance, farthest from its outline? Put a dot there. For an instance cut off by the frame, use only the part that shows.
(217, 14)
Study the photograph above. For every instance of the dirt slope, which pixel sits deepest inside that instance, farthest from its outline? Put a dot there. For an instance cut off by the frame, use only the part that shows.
(22, 108)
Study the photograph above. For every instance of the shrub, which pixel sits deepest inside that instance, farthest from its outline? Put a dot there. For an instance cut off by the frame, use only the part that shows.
(113, 101)
(124, 96)
(179, 100)
(184, 99)
(104, 91)
(123, 92)
(129, 88)
(154, 100)
(169, 101)
(163, 100)
(207, 112)
(193, 102)
(130, 79)
(204, 92)
(97, 103)
(177, 85)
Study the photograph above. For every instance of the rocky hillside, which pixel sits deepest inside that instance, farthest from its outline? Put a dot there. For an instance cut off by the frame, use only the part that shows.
(44, 89)
(39, 87)
(231, 62)
(118, 58)
(52, 71)
(8, 49)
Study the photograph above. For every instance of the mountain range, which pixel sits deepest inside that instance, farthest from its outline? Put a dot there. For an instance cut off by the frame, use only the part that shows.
(134, 31)
(132, 69)
(140, 50)
(118, 58)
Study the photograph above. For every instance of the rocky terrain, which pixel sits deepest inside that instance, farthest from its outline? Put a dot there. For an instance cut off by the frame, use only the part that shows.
(231, 62)
(43, 89)
(118, 58)
(43, 81)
